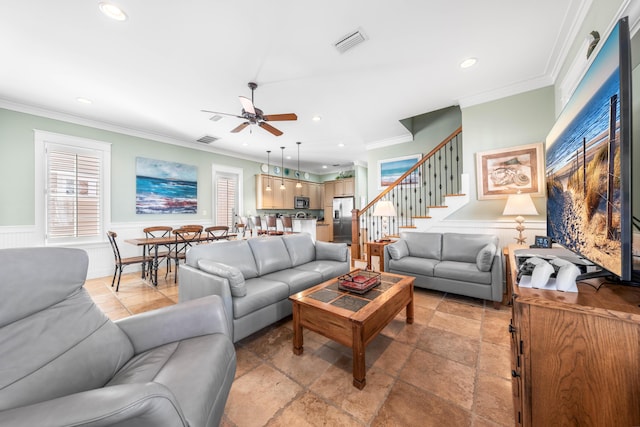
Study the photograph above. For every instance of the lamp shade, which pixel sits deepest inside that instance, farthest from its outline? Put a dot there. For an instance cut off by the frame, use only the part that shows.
(384, 208)
(519, 204)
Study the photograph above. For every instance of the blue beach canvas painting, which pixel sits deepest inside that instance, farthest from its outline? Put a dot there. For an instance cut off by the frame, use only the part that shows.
(390, 170)
(166, 187)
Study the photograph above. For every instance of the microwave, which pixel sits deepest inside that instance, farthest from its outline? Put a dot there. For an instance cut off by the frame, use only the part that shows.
(300, 202)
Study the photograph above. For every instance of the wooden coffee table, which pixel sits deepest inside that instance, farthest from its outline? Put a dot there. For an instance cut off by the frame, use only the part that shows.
(351, 319)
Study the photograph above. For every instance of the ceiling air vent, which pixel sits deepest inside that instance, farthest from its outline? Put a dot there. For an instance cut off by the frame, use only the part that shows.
(208, 139)
(350, 40)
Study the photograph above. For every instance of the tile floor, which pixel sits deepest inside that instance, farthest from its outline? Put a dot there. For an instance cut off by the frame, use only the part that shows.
(450, 368)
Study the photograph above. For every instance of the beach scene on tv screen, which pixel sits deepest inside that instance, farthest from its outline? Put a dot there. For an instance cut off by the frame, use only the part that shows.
(583, 165)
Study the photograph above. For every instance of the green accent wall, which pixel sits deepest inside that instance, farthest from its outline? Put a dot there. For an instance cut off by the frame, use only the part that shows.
(18, 163)
(508, 122)
(428, 131)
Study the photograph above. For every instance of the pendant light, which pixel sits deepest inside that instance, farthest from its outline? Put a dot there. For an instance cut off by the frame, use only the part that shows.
(299, 184)
(282, 187)
(268, 168)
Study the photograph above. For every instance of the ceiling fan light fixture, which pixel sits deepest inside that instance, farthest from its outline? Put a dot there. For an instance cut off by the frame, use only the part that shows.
(298, 184)
(112, 11)
(268, 167)
(282, 187)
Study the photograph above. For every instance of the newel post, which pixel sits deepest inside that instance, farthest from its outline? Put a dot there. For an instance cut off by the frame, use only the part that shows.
(355, 236)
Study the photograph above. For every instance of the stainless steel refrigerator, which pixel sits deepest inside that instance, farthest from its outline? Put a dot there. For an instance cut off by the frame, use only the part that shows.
(342, 207)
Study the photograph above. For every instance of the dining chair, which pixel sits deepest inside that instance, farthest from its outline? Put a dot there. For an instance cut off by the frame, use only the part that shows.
(121, 263)
(152, 232)
(240, 227)
(257, 225)
(287, 224)
(217, 232)
(272, 226)
(185, 236)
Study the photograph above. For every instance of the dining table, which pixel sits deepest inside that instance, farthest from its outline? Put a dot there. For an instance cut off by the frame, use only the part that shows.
(156, 242)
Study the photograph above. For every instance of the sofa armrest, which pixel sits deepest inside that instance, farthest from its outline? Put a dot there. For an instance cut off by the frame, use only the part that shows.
(202, 316)
(497, 284)
(138, 404)
(195, 283)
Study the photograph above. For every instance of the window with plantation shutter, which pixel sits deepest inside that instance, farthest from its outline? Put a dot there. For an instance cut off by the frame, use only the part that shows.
(75, 188)
(73, 194)
(225, 202)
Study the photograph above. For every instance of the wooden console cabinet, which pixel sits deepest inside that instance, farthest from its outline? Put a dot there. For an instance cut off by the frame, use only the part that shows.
(575, 356)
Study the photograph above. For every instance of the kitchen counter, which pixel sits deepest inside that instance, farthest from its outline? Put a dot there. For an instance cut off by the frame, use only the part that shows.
(305, 225)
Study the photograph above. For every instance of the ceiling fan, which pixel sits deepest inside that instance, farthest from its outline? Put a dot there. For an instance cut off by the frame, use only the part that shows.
(255, 116)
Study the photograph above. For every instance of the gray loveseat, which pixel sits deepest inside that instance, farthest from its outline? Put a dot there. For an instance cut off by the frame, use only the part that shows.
(64, 363)
(462, 264)
(255, 277)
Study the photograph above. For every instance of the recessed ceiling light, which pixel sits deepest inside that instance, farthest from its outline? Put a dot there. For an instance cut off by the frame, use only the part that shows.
(82, 100)
(469, 62)
(112, 11)
(341, 145)
(324, 166)
(316, 118)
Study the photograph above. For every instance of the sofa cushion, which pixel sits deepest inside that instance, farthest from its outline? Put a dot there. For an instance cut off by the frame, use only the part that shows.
(300, 247)
(332, 251)
(398, 249)
(298, 280)
(423, 245)
(270, 254)
(229, 272)
(260, 293)
(484, 259)
(326, 268)
(464, 247)
(411, 265)
(195, 389)
(235, 252)
(462, 271)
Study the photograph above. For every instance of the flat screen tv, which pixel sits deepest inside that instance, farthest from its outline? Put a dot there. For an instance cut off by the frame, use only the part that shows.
(588, 162)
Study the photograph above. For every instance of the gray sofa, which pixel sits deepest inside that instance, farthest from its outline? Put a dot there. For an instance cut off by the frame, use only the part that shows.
(462, 264)
(255, 277)
(64, 363)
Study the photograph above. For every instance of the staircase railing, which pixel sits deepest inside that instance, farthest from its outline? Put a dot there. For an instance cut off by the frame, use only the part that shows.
(421, 188)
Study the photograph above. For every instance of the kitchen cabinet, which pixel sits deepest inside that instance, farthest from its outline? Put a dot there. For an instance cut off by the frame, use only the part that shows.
(575, 357)
(328, 193)
(284, 199)
(344, 187)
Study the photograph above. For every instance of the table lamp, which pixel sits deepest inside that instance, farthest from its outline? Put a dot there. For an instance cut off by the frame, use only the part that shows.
(384, 209)
(520, 204)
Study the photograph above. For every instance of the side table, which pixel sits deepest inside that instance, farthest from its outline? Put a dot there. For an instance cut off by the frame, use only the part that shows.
(376, 249)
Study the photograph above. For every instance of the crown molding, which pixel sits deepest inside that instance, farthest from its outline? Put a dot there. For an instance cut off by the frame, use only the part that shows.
(400, 139)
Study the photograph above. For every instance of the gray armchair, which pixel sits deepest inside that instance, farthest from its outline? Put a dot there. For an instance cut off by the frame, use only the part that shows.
(63, 362)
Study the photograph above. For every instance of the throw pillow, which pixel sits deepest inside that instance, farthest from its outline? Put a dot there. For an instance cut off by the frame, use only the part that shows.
(484, 259)
(331, 251)
(398, 249)
(229, 272)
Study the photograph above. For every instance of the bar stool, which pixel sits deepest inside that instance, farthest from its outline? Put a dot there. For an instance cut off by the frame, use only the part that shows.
(287, 224)
(272, 226)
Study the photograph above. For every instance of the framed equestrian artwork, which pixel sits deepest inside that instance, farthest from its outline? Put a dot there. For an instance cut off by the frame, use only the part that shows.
(510, 170)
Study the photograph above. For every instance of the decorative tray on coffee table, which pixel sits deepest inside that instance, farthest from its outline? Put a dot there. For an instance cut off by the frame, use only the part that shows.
(359, 281)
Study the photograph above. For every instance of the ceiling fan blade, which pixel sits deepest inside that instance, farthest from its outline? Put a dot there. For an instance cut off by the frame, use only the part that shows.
(270, 128)
(280, 117)
(239, 127)
(247, 105)
(224, 114)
